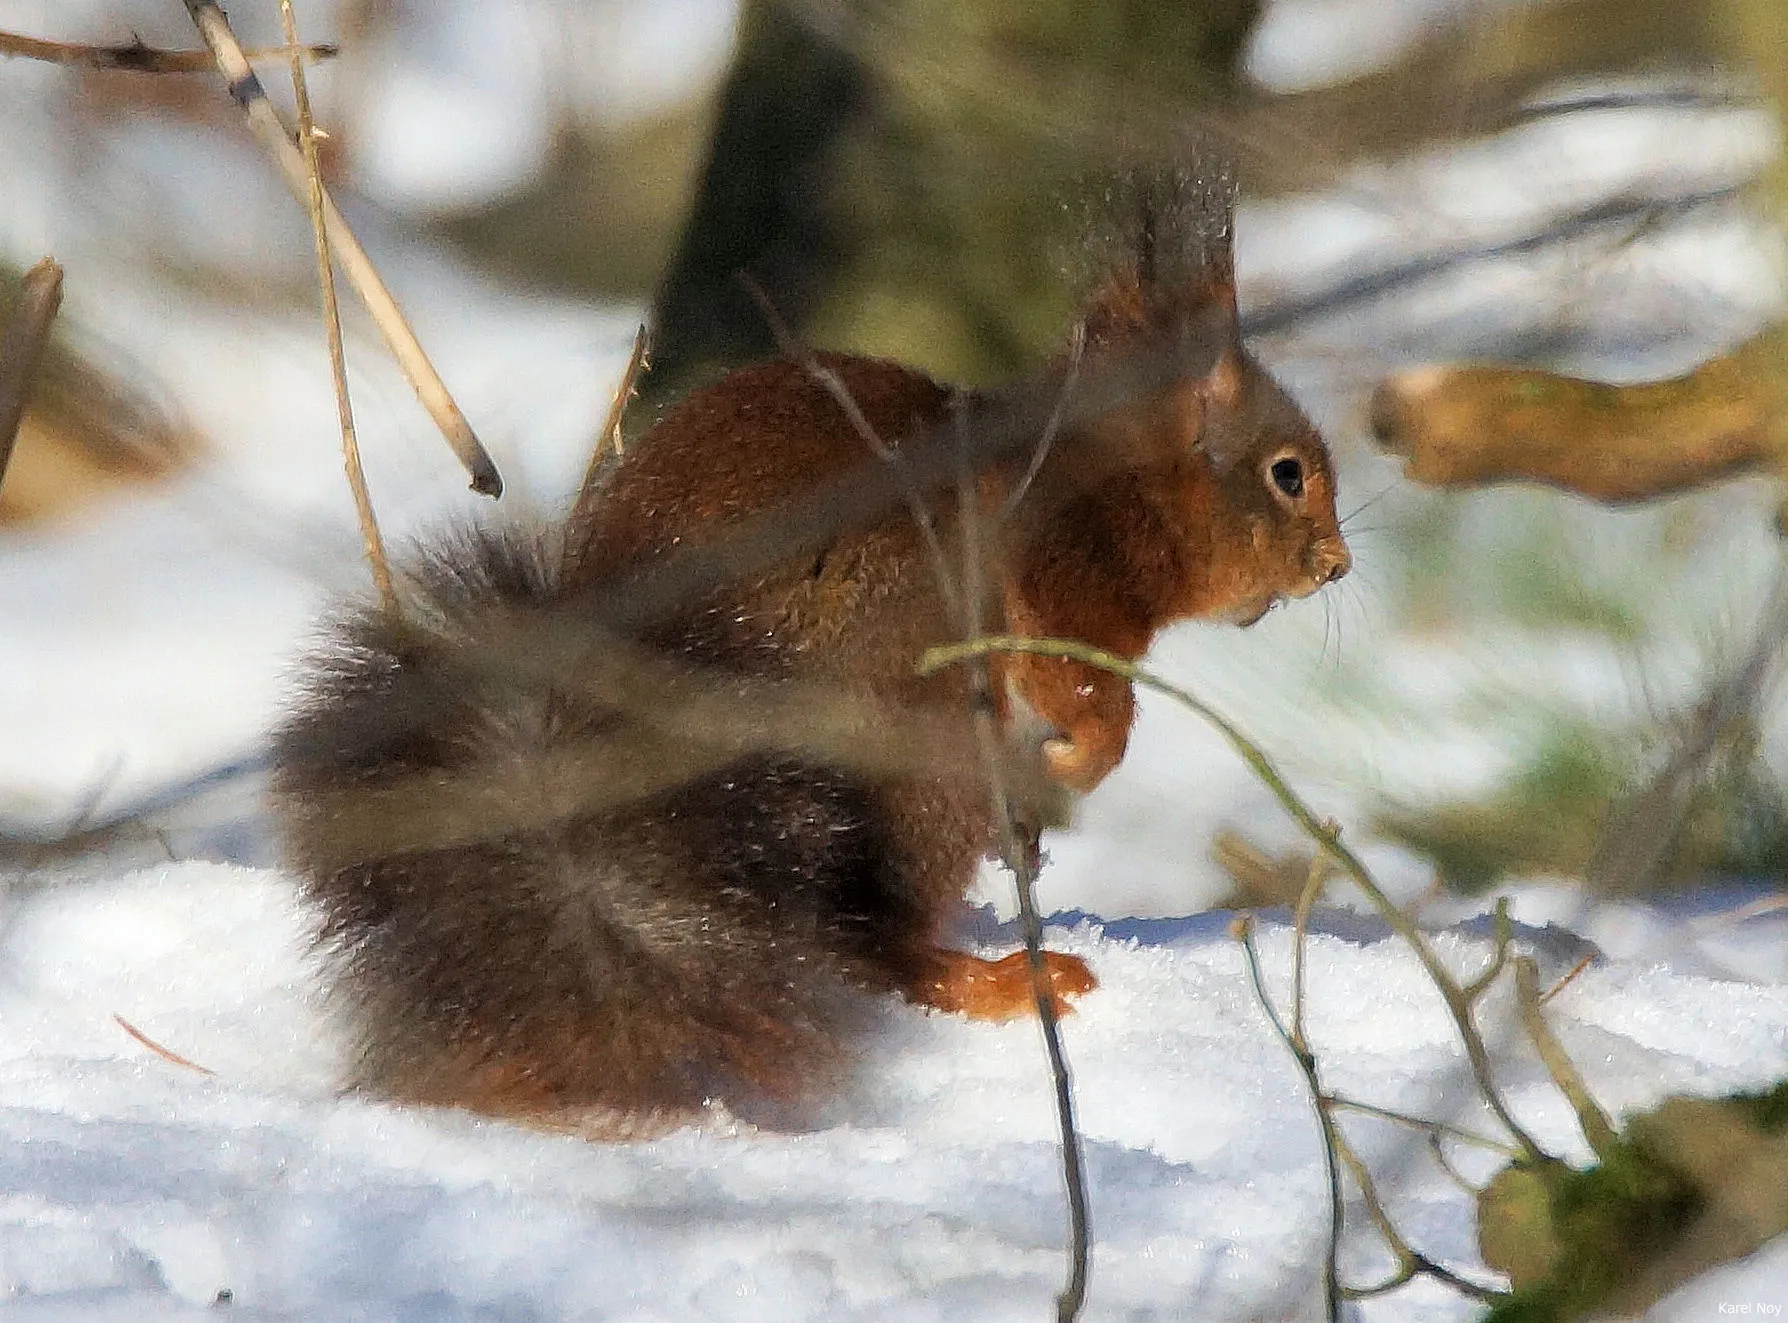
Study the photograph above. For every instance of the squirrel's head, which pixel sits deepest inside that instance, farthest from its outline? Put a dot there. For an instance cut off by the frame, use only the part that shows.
(1235, 473)
(1269, 488)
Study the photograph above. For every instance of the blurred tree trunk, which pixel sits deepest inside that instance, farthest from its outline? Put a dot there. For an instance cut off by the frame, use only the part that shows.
(890, 171)
(887, 172)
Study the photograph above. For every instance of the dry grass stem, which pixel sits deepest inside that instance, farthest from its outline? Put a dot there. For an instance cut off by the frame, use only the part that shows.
(22, 345)
(172, 1057)
(135, 57)
(338, 364)
(246, 90)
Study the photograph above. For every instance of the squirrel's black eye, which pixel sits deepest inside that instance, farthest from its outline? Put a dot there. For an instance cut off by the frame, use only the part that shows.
(1288, 477)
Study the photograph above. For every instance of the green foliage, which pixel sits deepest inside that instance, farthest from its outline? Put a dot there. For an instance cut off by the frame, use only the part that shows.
(1600, 1227)
(1694, 1183)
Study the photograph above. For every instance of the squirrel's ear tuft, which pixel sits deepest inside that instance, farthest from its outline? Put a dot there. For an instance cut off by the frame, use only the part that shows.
(1156, 251)
(1226, 382)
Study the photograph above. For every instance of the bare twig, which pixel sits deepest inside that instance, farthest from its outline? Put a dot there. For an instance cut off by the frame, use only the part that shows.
(1314, 881)
(165, 1054)
(891, 459)
(1046, 439)
(1292, 1037)
(1569, 978)
(608, 439)
(1022, 855)
(338, 365)
(22, 342)
(1411, 1262)
(1457, 999)
(1504, 930)
(650, 589)
(1618, 213)
(683, 721)
(135, 57)
(608, 442)
(245, 88)
(1438, 1129)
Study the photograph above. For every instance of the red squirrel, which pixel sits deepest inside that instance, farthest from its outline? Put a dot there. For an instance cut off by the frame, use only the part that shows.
(565, 878)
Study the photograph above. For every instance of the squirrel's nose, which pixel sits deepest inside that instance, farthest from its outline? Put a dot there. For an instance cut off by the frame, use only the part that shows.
(1332, 561)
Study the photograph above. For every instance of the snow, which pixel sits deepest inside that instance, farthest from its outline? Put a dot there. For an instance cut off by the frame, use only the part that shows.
(135, 1188)
(157, 642)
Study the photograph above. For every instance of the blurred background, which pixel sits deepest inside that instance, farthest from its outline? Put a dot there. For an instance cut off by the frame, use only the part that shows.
(1519, 688)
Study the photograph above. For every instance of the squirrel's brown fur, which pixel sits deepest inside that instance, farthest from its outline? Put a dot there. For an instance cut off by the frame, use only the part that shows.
(710, 937)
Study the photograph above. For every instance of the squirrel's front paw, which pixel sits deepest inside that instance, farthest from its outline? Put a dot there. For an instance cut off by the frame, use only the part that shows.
(1000, 989)
(1084, 758)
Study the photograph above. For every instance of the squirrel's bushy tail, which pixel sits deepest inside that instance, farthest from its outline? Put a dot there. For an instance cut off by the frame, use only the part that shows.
(514, 924)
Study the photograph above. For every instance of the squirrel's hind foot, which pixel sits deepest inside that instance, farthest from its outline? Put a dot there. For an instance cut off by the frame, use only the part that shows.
(1000, 989)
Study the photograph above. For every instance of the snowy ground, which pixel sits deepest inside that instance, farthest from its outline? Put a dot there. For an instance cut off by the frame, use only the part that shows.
(135, 1189)
(150, 645)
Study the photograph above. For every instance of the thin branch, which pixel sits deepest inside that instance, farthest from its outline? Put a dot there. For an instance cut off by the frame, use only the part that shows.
(608, 439)
(1642, 831)
(1569, 978)
(1313, 884)
(1022, 855)
(1046, 440)
(1620, 213)
(1435, 1128)
(1594, 1121)
(891, 459)
(246, 90)
(1458, 1004)
(1411, 1262)
(1332, 1290)
(1446, 1166)
(1504, 931)
(338, 363)
(135, 57)
(648, 589)
(22, 343)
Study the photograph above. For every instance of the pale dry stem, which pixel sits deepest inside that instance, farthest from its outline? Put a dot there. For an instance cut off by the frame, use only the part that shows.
(245, 89)
(338, 365)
